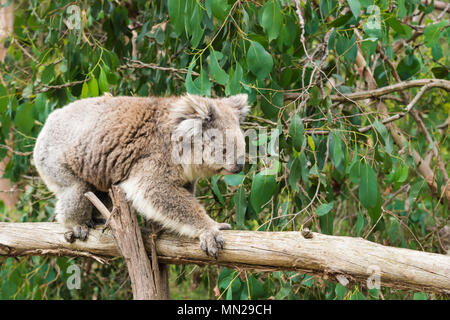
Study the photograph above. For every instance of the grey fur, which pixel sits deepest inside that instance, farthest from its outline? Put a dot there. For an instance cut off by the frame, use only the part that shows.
(94, 143)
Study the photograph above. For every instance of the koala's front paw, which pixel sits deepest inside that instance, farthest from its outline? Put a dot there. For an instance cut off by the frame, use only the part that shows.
(78, 232)
(210, 242)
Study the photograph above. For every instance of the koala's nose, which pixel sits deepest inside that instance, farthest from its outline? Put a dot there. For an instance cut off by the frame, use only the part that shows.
(238, 168)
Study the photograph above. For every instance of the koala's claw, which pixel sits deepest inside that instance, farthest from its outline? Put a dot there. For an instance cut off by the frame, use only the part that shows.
(210, 242)
(224, 226)
(78, 232)
(69, 236)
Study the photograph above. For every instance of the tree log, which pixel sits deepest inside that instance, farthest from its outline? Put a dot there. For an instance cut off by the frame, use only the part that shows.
(355, 259)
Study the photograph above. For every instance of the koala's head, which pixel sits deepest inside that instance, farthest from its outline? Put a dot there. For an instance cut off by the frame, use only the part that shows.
(207, 137)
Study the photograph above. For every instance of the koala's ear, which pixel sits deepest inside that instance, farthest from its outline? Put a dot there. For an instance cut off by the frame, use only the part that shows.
(192, 107)
(240, 103)
(189, 111)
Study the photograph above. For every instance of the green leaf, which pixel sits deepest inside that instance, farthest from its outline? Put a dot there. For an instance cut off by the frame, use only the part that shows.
(262, 190)
(47, 74)
(401, 174)
(355, 170)
(24, 120)
(355, 7)
(420, 296)
(352, 50)
(225, 277)
(346, 47)
(295, 172)
(219, 9)
(337, 154)
(436, 52)
(432, 32)
(340, 291)
(217, 190)
(176, 14)
(103, 82)
(217, 73)
(282, 212)
(3, 99)
(311, 143)
(201, 85)
(408, 66)
(255, 287)
(402, 29)
(323, 209)
(271, 19)
(416, 190)
(440, 72)
(234, 179)
(229, 295)
(340, 21)
(401, 8)
(289, 32)
(368, 188)
(240, 202)
(234, 82)
(297, 132)
(360, 223)
(387, 138)
(272, 101)
(93, 87)
(85, 90)
(188, 14)
(196, 28)
(259, 61)
(326, 222)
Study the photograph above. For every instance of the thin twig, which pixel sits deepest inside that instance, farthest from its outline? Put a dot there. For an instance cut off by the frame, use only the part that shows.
(400, 114)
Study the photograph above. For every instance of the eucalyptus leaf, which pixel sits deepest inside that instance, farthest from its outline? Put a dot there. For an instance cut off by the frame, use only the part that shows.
(262, 190)
(271, 19)
(297, 132)
(240, 201)
(259, 61)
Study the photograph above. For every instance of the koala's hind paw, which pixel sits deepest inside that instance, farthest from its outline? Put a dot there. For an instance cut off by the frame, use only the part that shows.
(210, 242)
(78, 232)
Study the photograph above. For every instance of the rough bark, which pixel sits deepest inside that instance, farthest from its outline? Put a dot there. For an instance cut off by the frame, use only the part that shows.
(323, 255)
(146, 278)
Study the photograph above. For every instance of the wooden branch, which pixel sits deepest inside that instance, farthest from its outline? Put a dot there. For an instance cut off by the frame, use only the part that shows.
(136, 64)
(327, 256)
(61, 86)
(438, 5)
(126, 231)
(400, 114)
(375, 93)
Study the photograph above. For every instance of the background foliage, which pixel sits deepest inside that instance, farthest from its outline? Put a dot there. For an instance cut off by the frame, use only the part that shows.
(330, 177)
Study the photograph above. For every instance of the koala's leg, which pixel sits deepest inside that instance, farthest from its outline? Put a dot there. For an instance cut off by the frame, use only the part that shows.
(74, 210)
(175, 208)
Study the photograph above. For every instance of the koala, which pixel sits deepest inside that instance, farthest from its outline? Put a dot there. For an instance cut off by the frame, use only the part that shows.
(94, 143)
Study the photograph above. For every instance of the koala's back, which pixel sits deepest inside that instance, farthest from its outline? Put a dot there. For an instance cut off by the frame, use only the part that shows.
(99, 139)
